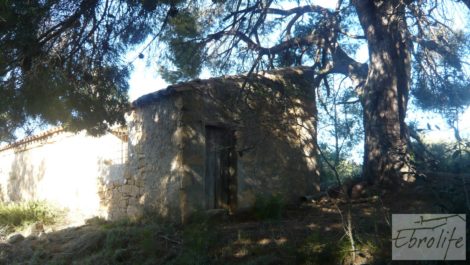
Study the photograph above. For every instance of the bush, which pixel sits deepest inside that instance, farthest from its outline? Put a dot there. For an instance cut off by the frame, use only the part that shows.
(346, 170)
(15, 216)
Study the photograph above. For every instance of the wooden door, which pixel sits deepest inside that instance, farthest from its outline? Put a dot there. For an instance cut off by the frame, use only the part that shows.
(220, 178)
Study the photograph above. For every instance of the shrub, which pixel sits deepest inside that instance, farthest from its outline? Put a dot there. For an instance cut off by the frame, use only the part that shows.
(15, 216)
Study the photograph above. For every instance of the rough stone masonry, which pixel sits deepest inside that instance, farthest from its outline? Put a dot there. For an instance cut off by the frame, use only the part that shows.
(219, 143)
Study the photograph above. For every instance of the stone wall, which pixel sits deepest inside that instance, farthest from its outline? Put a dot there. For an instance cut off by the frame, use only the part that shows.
(153, 181)
(273, 118)
(65, 169)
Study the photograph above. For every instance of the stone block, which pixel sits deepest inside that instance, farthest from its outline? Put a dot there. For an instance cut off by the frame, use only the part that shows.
(133, 202)
(126, 189)
(134, 212)
(122, 203)
(143, 199)
(134, 191)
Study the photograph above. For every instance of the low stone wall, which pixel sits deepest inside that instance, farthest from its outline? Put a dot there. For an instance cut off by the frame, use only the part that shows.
(120, 199)
(65, 169)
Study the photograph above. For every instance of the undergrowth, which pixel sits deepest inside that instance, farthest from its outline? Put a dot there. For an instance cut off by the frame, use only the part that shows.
(153, 242)
(268, 207)
(270, 234)
(16, 216)
(318, 249)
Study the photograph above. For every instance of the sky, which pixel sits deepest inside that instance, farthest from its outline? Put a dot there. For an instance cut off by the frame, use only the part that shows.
(145, 79)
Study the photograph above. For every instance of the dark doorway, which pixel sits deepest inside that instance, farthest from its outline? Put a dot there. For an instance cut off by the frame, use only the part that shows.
(221, 166)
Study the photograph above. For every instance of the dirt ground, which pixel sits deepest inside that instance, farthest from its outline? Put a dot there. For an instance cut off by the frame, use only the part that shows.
(309, 233)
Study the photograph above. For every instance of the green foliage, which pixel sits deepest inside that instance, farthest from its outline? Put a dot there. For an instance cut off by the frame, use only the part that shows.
(346, 169)
(318, 250)
(184, 52)
(449, 160)
(340, 116)
(61, 62)
(187, 57)
(129, 243)
(443, 86)
(184, 24)
(96, 221)
(15, 216)
(268, 207)
(447, 157)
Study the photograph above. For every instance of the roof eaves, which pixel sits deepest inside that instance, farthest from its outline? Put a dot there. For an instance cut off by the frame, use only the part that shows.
(33, 138)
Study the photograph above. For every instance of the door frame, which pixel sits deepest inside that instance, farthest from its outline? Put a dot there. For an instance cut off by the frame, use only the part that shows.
(230, 172)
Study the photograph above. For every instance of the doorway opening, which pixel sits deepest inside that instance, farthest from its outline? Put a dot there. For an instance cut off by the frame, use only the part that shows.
(220, 183)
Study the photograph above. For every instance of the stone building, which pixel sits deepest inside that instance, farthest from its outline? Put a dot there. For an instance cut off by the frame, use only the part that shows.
(199, 145)
(69, 170)
(220, 143)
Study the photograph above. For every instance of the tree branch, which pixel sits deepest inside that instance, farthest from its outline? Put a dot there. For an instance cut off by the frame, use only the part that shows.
(344, 64)
(282, 12)
(437, 47)
(67, 23)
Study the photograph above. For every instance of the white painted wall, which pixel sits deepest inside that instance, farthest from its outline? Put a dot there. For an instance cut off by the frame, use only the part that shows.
(66, 169)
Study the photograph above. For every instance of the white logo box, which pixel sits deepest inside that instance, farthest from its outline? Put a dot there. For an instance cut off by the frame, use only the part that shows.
(429, 237)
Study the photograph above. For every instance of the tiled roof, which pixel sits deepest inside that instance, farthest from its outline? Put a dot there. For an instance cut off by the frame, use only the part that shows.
(33, 138)
(120, 132)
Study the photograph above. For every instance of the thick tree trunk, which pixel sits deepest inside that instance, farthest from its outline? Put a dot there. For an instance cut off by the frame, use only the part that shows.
(467, 3)
(386, 154)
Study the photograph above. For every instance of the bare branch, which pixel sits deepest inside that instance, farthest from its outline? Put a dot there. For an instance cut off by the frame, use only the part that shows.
(282, 12)
(352, 36)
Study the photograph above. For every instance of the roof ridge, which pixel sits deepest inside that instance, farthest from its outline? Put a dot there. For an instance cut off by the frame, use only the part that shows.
(119, 132)
(186, 85)
(32, 138)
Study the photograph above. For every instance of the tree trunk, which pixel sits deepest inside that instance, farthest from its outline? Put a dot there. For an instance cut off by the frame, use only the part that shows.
(467, 3)
(386, 154)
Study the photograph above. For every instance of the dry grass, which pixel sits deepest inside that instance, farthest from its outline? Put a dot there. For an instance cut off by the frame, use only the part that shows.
(15, 216)
(312, 233)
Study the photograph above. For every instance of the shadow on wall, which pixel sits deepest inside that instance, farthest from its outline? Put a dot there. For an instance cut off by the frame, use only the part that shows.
(274, 124)
(276, 141)
(24, 177)
(152, 179)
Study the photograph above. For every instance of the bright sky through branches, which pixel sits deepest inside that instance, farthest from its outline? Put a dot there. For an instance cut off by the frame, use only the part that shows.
(145, 79)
